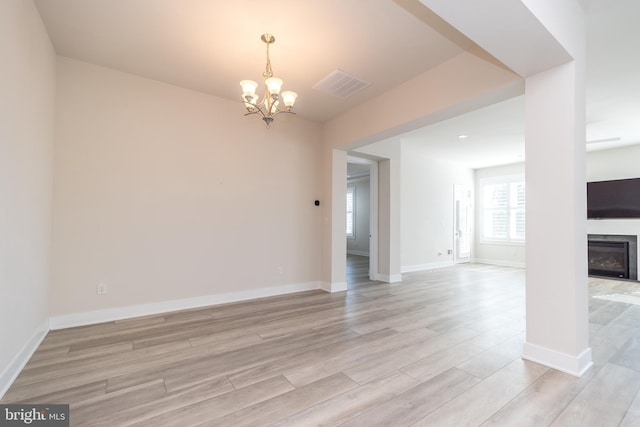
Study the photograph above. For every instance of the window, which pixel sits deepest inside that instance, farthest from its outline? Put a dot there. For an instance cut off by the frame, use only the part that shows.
(503, 209)
(351, 218)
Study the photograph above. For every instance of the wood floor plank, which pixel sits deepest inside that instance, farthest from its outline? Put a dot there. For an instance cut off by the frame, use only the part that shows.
(103, 407)
(171, 401)
(45, 356)
(490, 361)
(629, 354)
(223, 345)
(385, 363)
(455, 353)
(339, 409)
(377, 354)
(283, 365)
(632, 417)
(330, 366)
(494, 321)
(192, 414)
(479, 403)
(86, 352)
(78, 393)
(605, 314)
(287, 404)
(542, 402)
(181, 374)
(604, 401)
(419, 401)
(103, 366)
(127, 381)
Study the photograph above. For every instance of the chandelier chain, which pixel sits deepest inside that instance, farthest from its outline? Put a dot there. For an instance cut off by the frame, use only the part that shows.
(268, 72)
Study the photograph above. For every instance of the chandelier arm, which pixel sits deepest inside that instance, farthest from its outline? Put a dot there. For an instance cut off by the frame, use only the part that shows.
(253, 109)
(278, 111)
(257, 110)
(265, 95)
(267, 98)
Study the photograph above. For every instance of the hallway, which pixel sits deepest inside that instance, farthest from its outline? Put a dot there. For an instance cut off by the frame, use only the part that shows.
(357, 270)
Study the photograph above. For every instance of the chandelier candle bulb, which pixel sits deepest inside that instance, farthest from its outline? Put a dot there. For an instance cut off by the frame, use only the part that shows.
(274, 85)
(289, 98)
(267, 107)
(248, 89)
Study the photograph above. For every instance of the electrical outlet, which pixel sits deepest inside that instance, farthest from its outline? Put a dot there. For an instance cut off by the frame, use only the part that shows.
(449, 251)
(102, 288)
(280, 270)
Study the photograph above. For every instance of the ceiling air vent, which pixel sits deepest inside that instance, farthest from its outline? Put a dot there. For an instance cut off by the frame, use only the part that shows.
(340, 84)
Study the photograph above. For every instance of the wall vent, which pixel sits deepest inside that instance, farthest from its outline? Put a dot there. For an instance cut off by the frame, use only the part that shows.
(340, 84)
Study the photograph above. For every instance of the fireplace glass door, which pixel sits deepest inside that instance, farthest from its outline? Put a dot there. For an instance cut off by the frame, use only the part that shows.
(609, 259)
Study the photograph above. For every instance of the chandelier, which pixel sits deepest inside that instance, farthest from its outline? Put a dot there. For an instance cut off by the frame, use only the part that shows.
(269, 106)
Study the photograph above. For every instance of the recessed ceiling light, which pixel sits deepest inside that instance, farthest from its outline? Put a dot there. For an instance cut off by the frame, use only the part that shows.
(463, 136)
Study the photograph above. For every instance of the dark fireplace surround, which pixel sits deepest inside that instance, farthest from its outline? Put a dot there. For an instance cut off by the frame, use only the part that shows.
(613, 255)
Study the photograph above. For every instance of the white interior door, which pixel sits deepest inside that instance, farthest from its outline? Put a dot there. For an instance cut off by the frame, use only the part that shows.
(462, 223)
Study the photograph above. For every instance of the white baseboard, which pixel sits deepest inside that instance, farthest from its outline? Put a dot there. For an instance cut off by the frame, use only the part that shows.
(500, 262)
(360, 253)
(333, 287)
(428, 266)
(573, 365)
(11, 372)
(111, 314)
(389, 278)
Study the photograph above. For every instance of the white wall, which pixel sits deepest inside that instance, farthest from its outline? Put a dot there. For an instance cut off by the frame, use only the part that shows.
(27, 85)
(168, 194)
(618, 163)
(460, 85)
(512, 254)
(389, 207)
(423, 202)
(360, 244)
(428, 208)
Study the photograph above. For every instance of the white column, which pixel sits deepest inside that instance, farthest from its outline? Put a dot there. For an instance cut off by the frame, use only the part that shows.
(339, 222)
(557, 291)
(544, 42)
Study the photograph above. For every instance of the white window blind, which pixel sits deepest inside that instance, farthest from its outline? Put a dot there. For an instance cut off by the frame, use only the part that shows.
(503, 209)
(351, 226)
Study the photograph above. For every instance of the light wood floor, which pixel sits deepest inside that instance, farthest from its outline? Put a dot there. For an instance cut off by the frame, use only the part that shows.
(357, 270)
(442, 348)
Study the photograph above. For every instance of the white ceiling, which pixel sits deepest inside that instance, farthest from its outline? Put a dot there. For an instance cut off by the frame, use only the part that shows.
(210, 45)
(495, 134)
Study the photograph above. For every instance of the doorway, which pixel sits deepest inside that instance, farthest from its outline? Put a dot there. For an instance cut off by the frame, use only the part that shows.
(462, 220)
(362, 210)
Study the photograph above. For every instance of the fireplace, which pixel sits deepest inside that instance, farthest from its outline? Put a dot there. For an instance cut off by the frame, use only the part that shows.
(613, 256)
